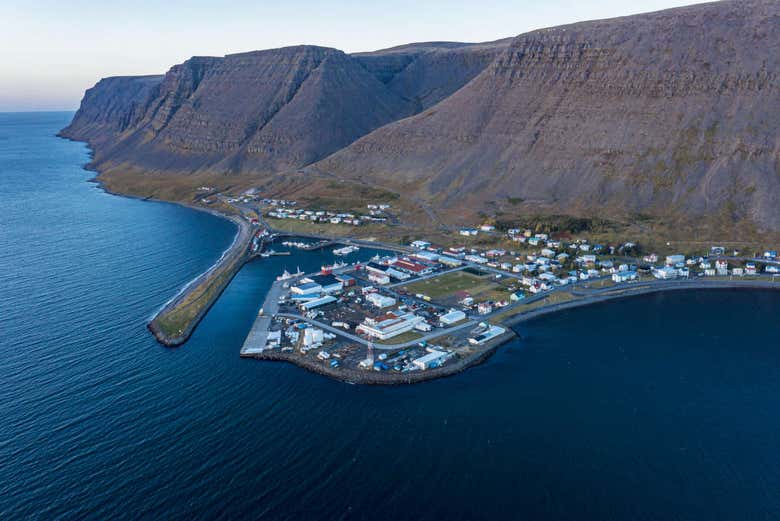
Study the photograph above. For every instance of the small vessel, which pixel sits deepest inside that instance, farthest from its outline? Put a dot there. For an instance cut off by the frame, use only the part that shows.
(328, 268)
(346, 250)
(287, 275)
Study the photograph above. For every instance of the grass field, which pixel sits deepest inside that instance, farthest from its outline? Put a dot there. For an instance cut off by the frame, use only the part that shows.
(556, 297)
(403, 337)
(450, 283)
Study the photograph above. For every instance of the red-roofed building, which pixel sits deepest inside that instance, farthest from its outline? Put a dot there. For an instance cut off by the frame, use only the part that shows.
(414, 268)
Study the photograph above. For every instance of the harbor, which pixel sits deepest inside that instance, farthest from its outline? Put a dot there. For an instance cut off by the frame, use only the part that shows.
(401, 318)
(417, 311)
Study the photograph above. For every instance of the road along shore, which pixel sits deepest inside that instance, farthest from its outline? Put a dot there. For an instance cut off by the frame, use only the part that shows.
(642, 288)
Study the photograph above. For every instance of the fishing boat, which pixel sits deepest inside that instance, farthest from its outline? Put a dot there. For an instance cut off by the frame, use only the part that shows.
(346, 250)
(328, 268)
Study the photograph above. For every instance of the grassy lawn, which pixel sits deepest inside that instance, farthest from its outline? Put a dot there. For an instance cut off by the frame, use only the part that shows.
(403, 337)
(450, 283)
(598, 284)
(556, 297)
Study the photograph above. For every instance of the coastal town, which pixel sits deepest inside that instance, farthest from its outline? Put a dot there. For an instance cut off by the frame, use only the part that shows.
(422, 310)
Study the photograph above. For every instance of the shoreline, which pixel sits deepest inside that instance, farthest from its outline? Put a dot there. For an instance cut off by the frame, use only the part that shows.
(210, 285)
(369, 377)
(647, 288)
(234, 248)
(218, 276)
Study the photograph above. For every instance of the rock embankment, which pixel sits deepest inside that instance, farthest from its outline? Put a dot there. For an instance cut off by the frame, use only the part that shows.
(173, 324)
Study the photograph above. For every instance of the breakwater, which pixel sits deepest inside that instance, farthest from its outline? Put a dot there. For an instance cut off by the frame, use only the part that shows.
(174, 323)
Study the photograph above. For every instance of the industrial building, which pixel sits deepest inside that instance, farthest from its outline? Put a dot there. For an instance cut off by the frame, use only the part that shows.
(379, 300)
(389, 325)
(452, 317)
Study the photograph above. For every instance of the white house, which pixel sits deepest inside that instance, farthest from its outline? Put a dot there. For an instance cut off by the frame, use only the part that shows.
(624, 276)
(671, 260)
(665, 273)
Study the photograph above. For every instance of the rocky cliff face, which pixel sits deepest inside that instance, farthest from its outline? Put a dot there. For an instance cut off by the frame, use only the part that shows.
(264, 111)
(672, 112)
(112, 106)
(426, 73)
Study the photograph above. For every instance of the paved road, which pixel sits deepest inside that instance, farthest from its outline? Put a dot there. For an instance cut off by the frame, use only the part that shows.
(383, 347)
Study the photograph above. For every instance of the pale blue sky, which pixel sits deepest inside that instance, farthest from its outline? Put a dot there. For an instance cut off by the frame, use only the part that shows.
(52, 50)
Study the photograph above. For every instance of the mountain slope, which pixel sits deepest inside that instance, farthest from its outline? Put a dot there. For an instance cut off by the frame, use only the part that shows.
(669, 113)
(426, 73)
(262, 111)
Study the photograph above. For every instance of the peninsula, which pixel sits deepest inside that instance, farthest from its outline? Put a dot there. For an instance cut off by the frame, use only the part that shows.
(421, 310)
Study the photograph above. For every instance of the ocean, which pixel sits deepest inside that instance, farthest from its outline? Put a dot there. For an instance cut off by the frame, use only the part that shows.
(658, 407)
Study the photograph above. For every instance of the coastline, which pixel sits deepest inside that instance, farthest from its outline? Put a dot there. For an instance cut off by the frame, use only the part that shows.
(645, 289)
(362, 377)
(236, 246)
(212, 283)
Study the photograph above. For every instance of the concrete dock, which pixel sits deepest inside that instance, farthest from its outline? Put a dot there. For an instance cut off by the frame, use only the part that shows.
(258, 336)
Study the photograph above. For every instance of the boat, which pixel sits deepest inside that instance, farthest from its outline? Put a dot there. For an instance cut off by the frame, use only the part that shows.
(328, 268)
(346, 250)
(287, 275)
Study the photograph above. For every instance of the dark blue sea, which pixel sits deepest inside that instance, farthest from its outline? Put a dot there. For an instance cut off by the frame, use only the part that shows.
(662, 407)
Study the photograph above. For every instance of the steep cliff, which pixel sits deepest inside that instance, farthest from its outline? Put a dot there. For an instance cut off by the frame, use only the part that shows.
(426, 73)
(112, 106)
(674, 112)
(668, 114)
(255, 112)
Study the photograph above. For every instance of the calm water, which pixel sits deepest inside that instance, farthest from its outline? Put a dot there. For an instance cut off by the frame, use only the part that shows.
(664, 407)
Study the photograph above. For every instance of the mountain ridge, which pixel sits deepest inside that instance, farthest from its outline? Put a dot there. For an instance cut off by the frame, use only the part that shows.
(621, 116)
(664, 114)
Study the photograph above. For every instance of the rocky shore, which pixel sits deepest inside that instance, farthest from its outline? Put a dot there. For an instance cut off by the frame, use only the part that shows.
(368, 377)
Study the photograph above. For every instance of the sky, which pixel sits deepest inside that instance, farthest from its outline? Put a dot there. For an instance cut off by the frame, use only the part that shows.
(53, 50)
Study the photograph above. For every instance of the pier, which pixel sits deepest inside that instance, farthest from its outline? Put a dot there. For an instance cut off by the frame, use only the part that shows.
(258, 336)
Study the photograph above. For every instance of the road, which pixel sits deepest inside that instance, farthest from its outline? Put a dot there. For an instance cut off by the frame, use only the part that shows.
(382, 347)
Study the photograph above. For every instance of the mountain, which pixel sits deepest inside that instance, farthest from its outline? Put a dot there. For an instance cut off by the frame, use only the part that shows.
(265, 111)
(261, 111)
(673, 113)
(426, 73)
